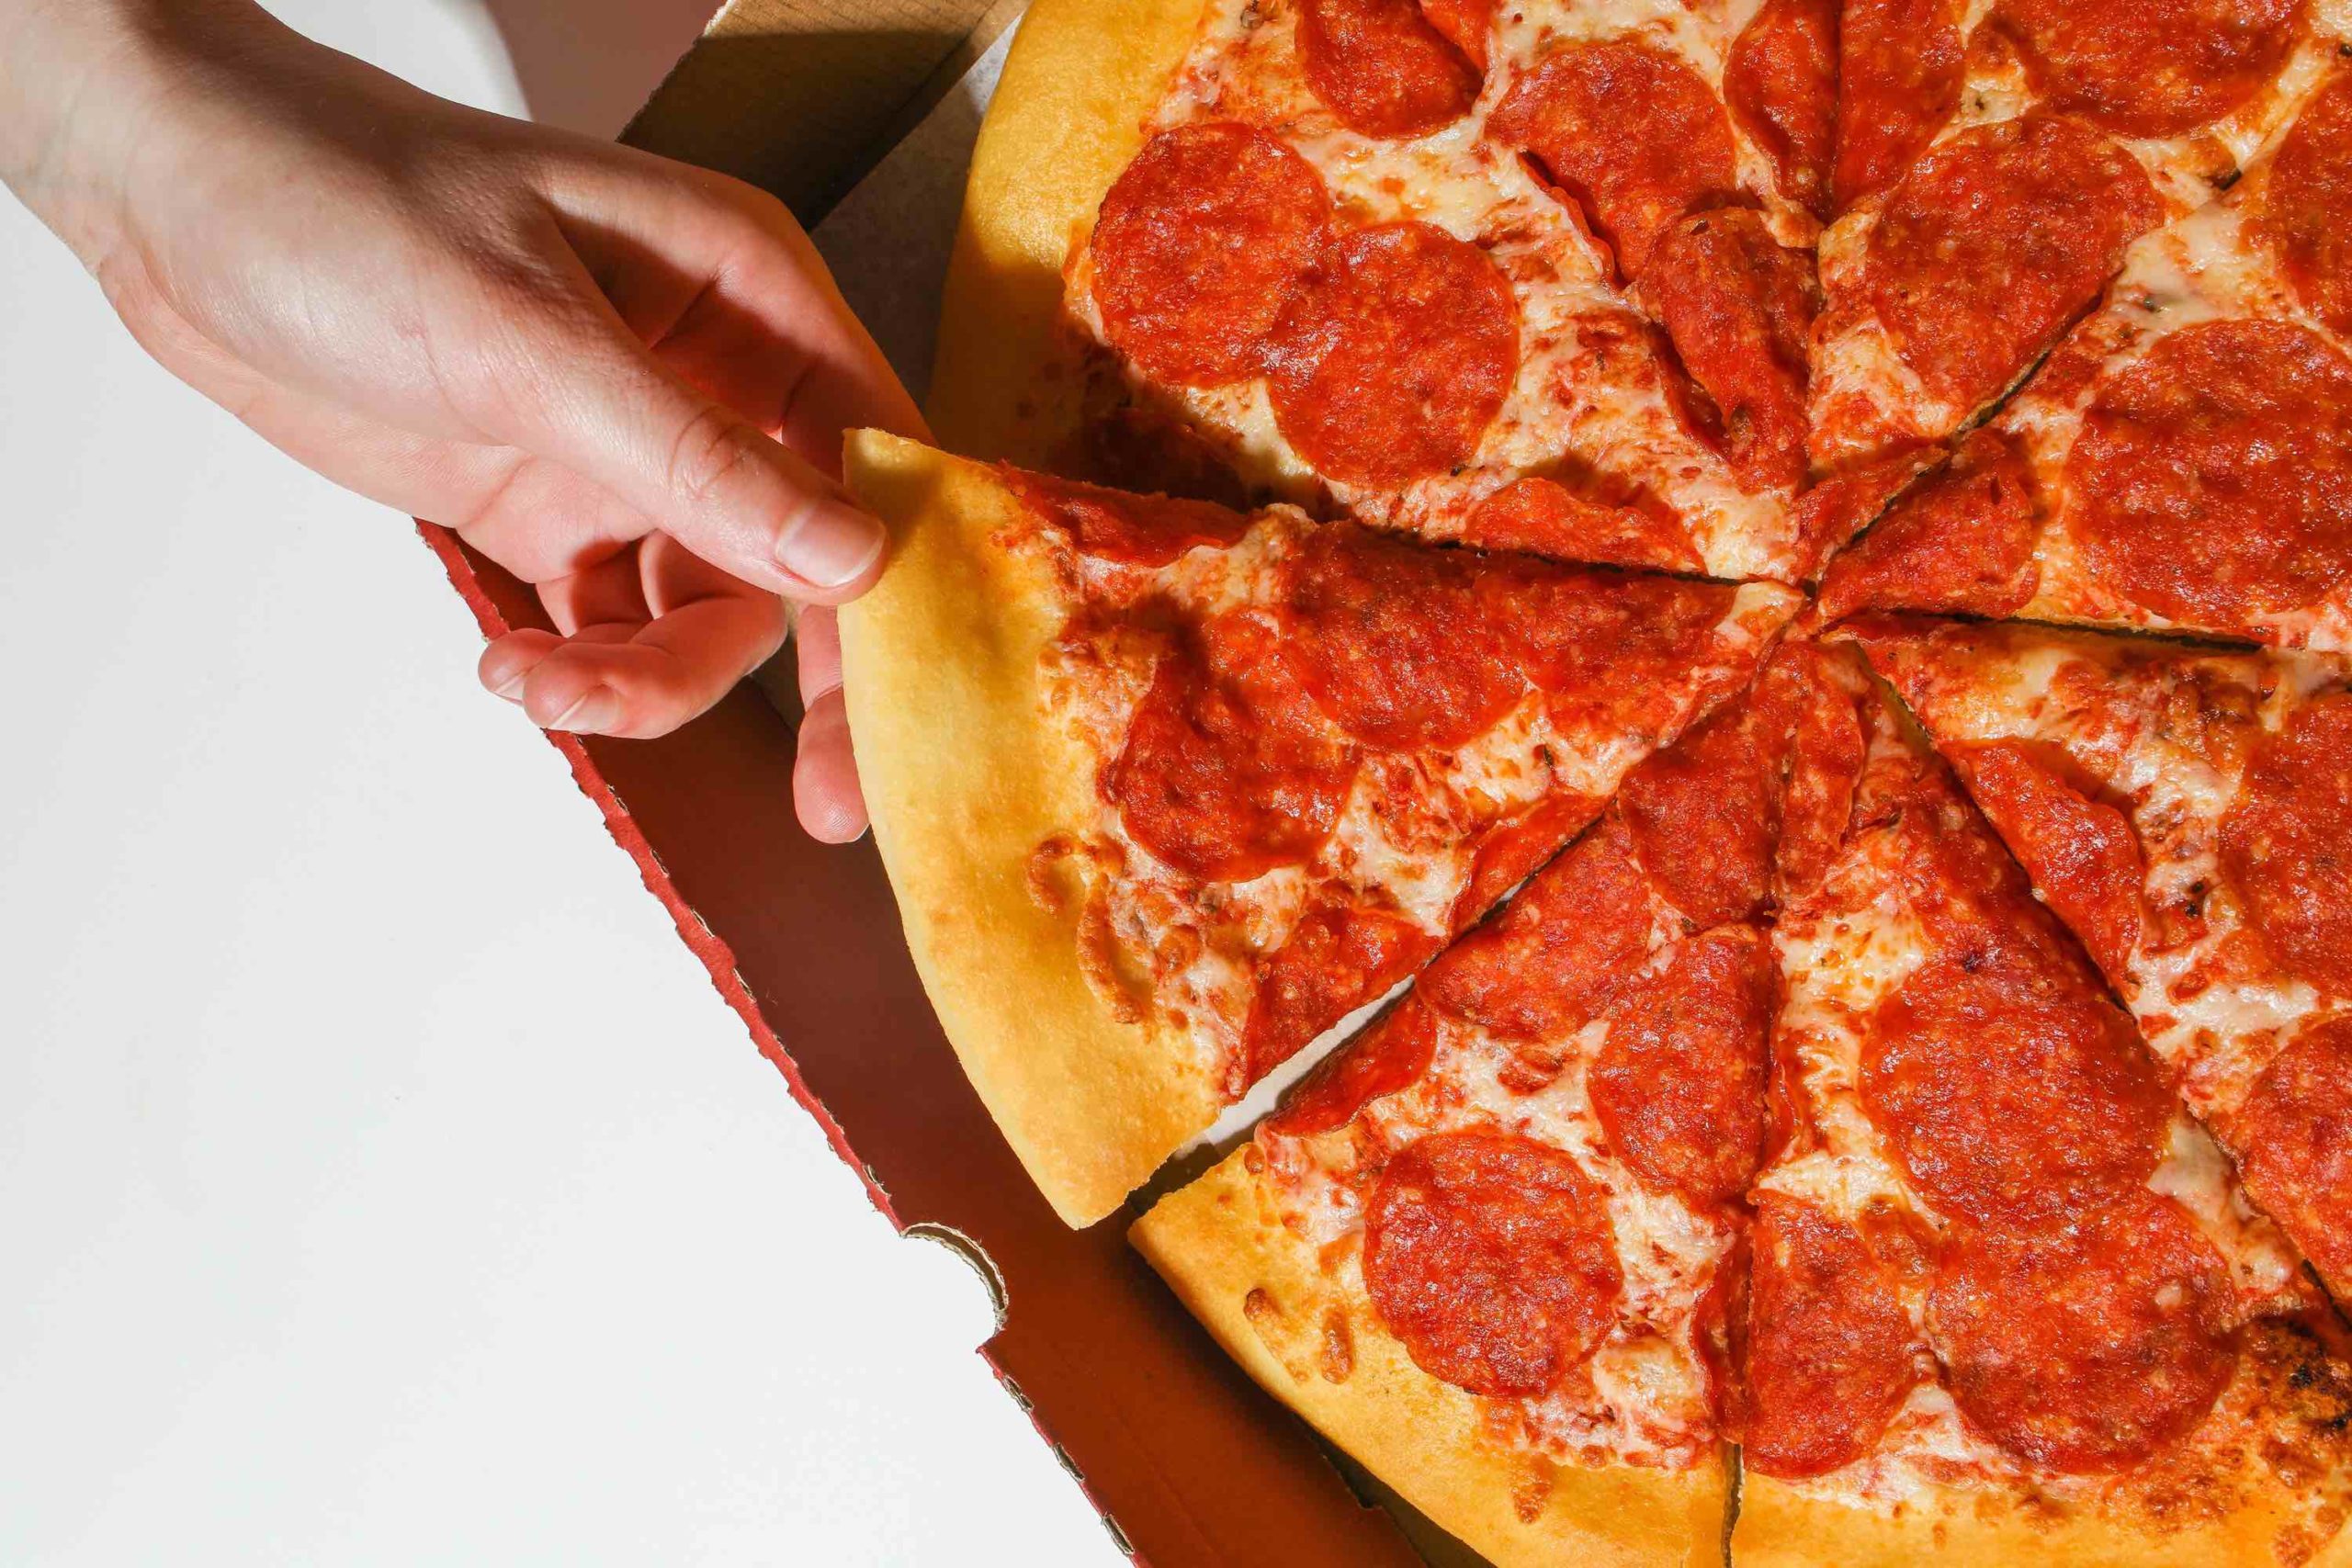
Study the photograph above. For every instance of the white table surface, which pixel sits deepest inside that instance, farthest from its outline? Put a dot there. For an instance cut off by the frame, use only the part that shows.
(349, 1211)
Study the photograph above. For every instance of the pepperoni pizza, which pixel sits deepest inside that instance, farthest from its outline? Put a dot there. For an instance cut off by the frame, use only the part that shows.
(1167, 790)
(1492, 1245)
(2188, 812)
(1451, 400)
(2184, 460)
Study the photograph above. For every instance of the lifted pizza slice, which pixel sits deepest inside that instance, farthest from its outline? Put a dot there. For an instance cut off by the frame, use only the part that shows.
(1487, 1246)
(2006, 1300)
(1165, 790)
(2184, 459)
(2188, 812)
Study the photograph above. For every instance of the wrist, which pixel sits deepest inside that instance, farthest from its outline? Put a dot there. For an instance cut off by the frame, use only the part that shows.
(84, 84)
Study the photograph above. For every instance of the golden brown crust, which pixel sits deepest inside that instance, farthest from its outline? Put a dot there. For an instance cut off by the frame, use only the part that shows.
(1311, 1338)
(965, 779)
(2266, 1480)
(1067, 117)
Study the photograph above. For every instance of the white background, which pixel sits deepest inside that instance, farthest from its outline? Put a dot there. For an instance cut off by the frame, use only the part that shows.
(349, 1211)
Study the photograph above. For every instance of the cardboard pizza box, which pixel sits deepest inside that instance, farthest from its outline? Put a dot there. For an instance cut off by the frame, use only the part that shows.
(1188, 1463)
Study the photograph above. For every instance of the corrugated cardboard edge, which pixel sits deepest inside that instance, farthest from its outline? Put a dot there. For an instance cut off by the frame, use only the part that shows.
(718, 959)
(705, 943)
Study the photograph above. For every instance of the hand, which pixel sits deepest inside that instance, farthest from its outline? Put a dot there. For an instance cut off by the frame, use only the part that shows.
(623, 380)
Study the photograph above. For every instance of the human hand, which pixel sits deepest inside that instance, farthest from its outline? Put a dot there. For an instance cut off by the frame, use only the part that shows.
(623, 380)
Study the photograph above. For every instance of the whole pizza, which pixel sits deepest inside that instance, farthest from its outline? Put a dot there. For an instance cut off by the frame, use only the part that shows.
(1649, 704)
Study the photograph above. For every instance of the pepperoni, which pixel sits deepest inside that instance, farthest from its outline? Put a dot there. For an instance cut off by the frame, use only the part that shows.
(1612, 644)
(2213, 476)
(2150, 67)
(1703, 816)
(2304, 198)
(1993, 242)
(1382, 67)
(2011, 1089)
(2287, 843)
(1753, 800)
(1780, 83)
(1738, 310)
(1630, 133)
(1546, 517)
(1336, 958)
(1899, 73)
(1491, 1256)
(1391, 1054)
(1830, 1349)
(1395, 359)
(2082, 853)
(1962, 542)
(1228, 770)
(1511, 850)
(1466, 25)
(2296, 1132)
(1393, 640)
(1801, 697)
(2090, 1342)
(1548, 964)
(1831, 512)
(1202, 242)
(1111, 524)
(1679, 1084)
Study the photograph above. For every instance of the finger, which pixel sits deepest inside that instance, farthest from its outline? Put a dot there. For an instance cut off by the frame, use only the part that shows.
(580, 390)
(825, 791)
(610, 593)
(764, 320)
(508, 660)
(820, 639)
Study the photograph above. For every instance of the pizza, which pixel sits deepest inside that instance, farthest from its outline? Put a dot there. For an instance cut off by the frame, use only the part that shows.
(1424, 699)
(1994, 162)
(2188, 811)
(2179, 461)
(2005, 1298)
(1212, 780)
(1540, 1245)
(1542, 281)
(1492, 1245)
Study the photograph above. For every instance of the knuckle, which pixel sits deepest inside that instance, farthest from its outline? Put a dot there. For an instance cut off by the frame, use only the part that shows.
(707, 456)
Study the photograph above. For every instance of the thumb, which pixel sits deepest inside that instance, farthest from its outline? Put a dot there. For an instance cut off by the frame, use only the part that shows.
(602, 405)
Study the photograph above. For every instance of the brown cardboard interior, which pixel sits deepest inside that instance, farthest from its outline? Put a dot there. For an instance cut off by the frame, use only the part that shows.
(1190, 1463)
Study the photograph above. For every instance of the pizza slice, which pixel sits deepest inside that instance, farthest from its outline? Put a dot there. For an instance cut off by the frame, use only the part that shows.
(1527, 279)
(1165, 790)
(2006, 1301)
(2182, 459)
(2188, 812)
(1489, 1245)
(1994, 162)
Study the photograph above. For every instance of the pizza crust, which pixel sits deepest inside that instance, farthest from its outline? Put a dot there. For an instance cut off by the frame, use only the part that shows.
(1220, 1242)
(2268, 1484)
(1067, 117)
(965, 778)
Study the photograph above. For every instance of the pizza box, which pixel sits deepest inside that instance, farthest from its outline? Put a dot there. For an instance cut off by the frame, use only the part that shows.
(1188, 1462)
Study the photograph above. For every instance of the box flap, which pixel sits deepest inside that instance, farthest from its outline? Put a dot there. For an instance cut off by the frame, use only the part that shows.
(801, 97)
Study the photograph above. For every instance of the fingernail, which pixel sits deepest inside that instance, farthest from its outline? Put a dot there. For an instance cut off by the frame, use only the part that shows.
(511, 687)
(830, 543)
(597, 707)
